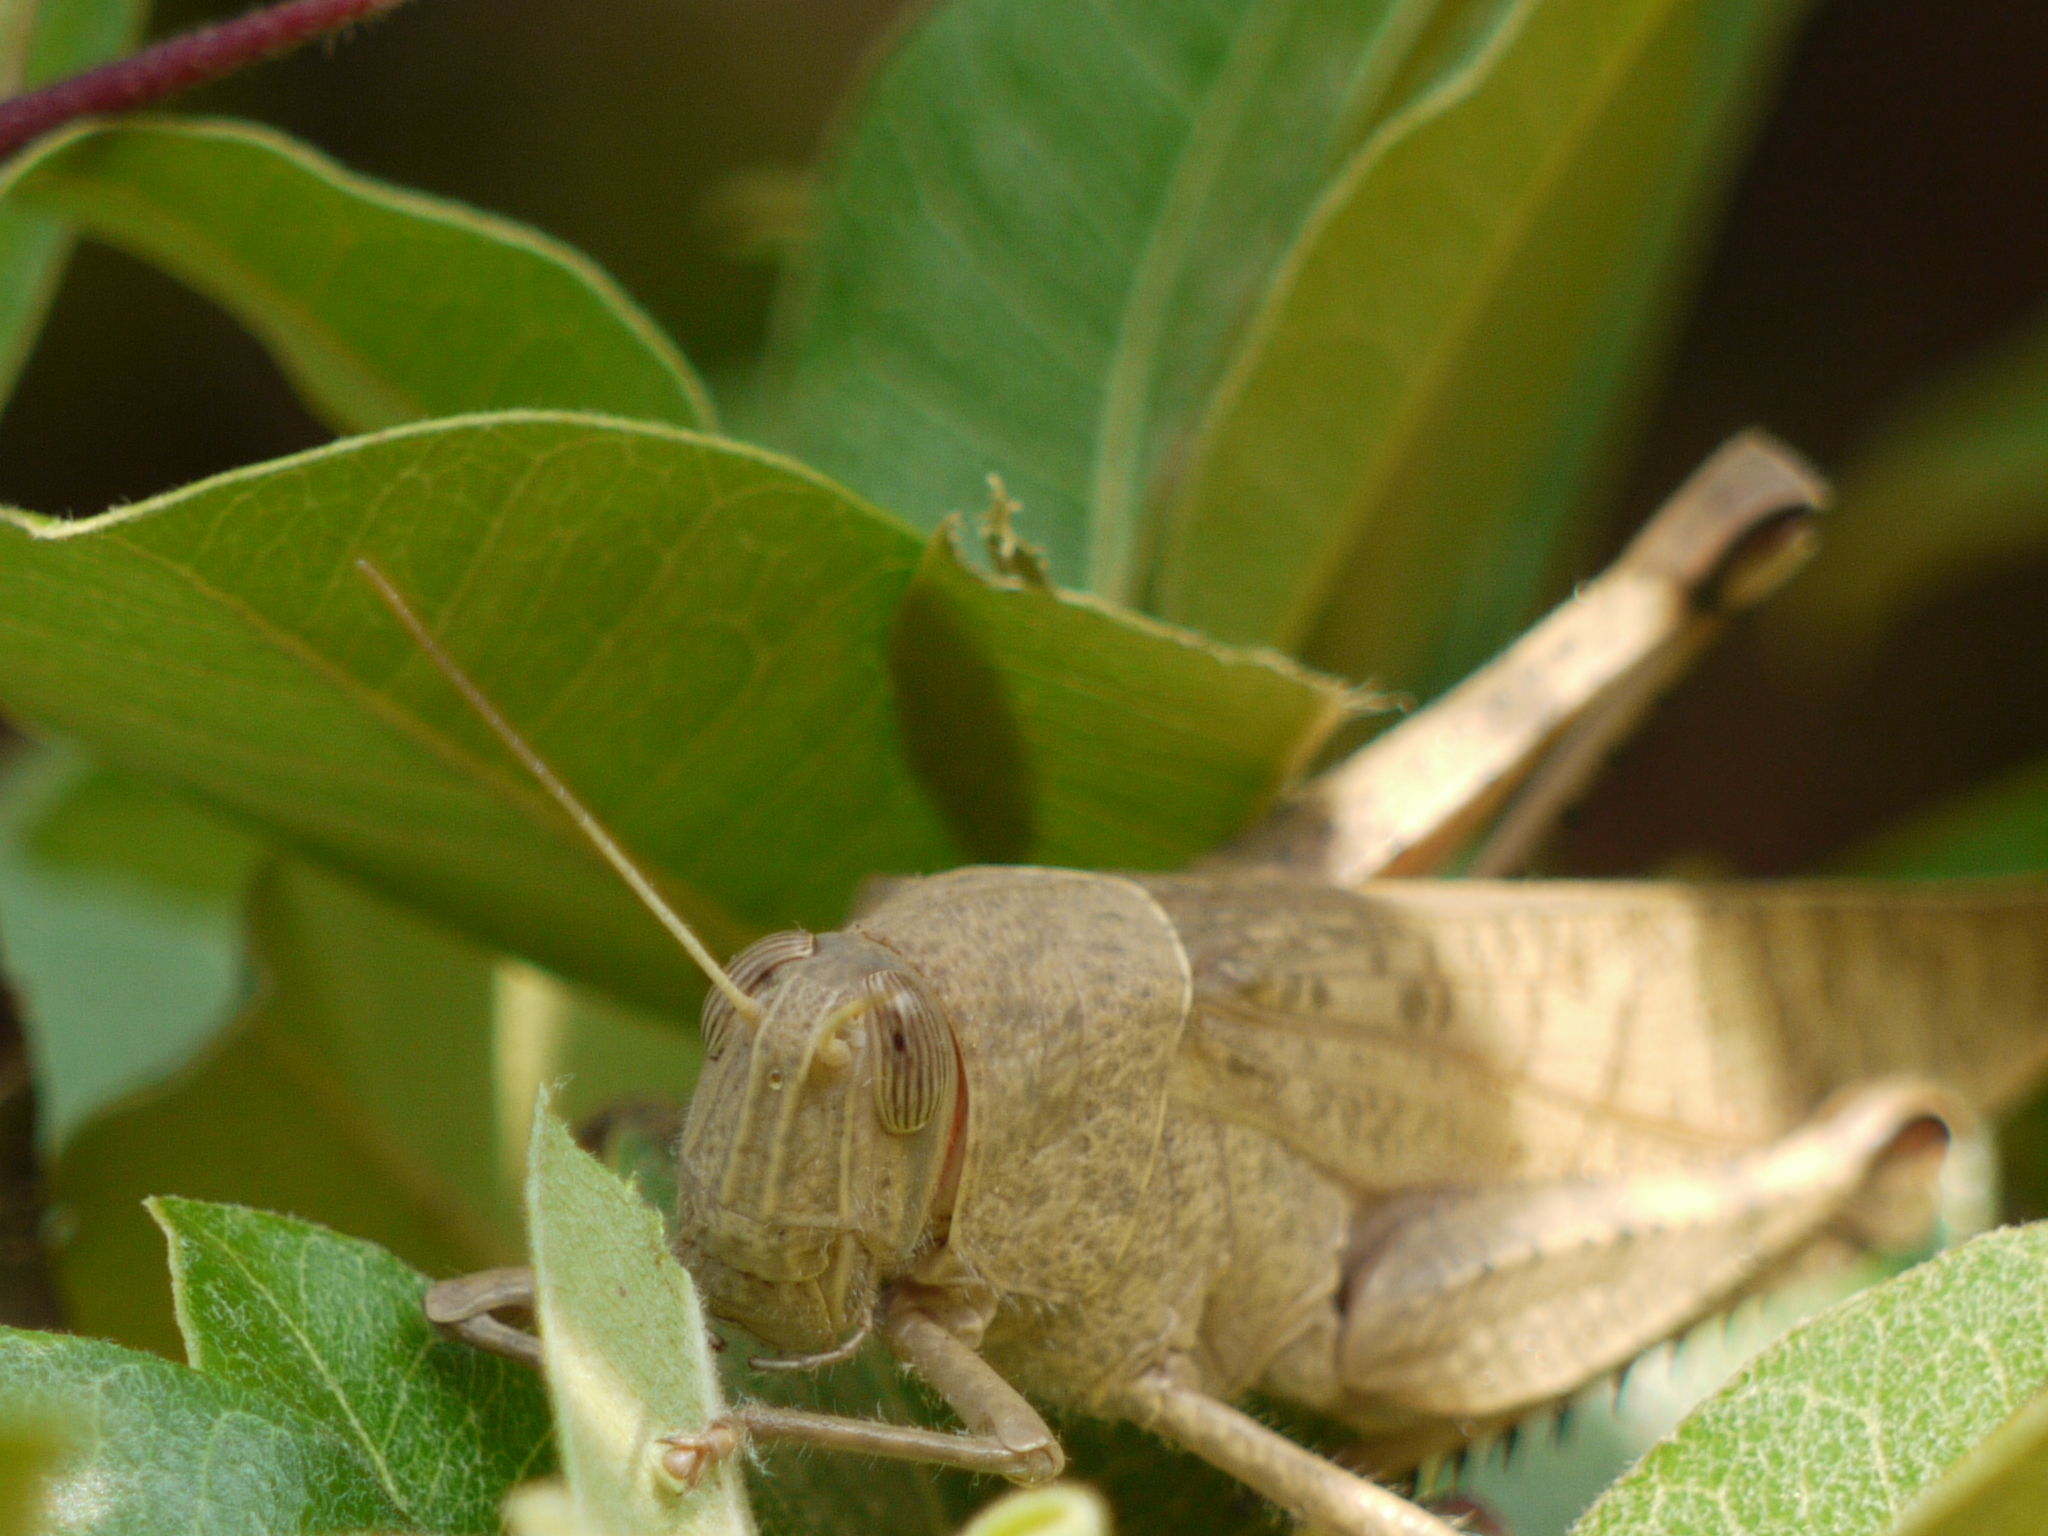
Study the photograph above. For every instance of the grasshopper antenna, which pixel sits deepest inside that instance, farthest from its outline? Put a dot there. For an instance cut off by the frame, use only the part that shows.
(586, 823)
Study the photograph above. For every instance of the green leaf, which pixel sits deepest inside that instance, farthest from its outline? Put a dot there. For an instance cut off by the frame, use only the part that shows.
(161, 1448)
(1953, 483)
(1838, 1427)
(1999, 828)
(690, 631)
(1999, 1489)
(332, 1328)
(1427, 387)
(293, 1109)
(1236, 371)
(301, 1106)
(109, 824)
(65, 36)
(996, 288)
(1044, 722)
(121, 977)
(628, 1358)
(695, 634)
(384, 306)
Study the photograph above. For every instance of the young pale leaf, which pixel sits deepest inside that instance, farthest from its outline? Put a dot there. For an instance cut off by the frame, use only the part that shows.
(382, 305)
(62, 38)
(331, 1328)
(1426, 388)
(159, 1448)
(1837, 1428)
(1999, 1489)
(1956, 482)
(300, 1107)
(695, 635)
(986, 671)
(992, 290)
(1063, 1509)
(628, 1358)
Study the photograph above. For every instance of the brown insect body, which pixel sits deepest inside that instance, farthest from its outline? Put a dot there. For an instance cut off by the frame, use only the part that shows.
(1333, 1145)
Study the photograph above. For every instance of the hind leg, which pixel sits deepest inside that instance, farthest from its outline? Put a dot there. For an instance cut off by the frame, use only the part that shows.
(1476, 1305)
(1528, 731)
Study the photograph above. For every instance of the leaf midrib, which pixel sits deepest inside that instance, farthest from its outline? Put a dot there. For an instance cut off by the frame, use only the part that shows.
(1127, 391)
(360, 1431)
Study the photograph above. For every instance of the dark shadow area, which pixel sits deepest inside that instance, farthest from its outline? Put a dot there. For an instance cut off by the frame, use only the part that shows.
(1891, 223)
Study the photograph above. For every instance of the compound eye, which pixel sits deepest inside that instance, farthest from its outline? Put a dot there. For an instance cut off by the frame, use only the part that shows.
(750, 971)
(914, 1052)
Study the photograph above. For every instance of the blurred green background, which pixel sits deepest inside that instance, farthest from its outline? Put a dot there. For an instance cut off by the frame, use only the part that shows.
(1888, 235)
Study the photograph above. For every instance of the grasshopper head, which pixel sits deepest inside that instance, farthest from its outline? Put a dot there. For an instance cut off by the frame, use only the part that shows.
(817, 1139)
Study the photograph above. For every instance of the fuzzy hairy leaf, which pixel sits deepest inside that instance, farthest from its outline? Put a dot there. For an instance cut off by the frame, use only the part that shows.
(1999, 1489)
(628, 1358)
(160, 1449)
(1064, 1509)
(331, 1328)
(384, 306)
(1837, 1428)
(31, 1448)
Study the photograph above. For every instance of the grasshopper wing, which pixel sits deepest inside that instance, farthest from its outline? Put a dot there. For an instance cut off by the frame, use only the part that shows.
(1474, 1032)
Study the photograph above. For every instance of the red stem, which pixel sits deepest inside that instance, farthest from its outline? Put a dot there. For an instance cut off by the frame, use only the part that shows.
(177, 64)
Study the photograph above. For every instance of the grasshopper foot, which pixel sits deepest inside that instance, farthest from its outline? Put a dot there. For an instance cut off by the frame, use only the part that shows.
(689, 1458)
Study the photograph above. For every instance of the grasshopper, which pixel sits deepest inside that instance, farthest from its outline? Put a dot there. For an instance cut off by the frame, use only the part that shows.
(1420, 1155)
